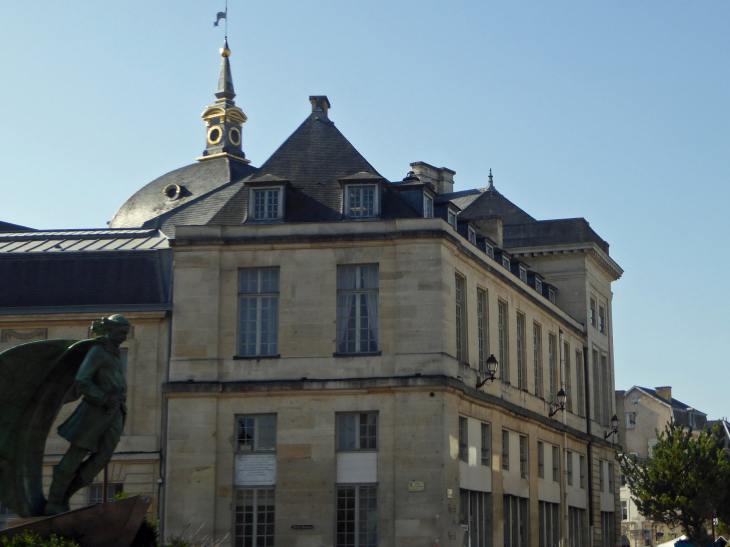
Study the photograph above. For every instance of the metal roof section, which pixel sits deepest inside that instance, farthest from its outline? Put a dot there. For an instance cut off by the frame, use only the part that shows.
(58, 241)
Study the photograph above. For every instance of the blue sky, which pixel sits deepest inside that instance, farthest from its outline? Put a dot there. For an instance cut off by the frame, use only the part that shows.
(616, 111)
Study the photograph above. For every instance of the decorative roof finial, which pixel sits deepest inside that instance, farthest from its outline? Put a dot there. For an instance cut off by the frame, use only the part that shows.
(225, 80)
(491, 180)
(225, 51)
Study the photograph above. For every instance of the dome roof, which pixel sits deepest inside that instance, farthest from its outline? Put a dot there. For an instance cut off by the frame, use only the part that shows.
(178, 189)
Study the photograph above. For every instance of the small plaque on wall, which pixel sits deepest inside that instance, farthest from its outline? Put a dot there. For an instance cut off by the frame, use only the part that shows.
(416, 486)
(255, 470)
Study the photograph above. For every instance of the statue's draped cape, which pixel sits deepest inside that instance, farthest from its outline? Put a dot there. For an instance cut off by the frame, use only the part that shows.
(36, 379)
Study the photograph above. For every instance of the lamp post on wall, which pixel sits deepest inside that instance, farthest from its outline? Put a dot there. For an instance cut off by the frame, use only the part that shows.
(560, 405)
(614, 428)
(490, 374)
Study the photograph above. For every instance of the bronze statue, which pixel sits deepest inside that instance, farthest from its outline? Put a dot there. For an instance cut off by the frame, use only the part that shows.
(36, 380)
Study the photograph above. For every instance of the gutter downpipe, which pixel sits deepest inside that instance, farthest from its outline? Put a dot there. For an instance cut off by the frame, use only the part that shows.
(589, 465)
(161, 498)
(566, 523)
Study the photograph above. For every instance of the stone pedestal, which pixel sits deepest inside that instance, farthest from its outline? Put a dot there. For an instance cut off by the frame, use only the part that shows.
(112, 524)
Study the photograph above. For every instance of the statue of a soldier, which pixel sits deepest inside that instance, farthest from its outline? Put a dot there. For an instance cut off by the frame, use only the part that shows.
(37, 379)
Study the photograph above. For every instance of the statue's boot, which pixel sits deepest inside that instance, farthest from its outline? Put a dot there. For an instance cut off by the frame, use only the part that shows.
(57, 500)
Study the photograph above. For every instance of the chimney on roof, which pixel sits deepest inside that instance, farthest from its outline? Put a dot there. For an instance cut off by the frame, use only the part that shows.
(441, 177)
(320, 105)
(664, 392)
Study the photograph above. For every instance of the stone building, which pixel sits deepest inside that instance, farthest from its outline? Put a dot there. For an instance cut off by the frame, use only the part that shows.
(325, 376)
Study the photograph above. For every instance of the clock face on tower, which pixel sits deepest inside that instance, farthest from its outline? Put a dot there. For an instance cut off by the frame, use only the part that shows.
(214, 135)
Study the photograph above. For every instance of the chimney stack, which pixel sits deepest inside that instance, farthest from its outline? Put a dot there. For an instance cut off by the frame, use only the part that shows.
(664, 392)
(320, 105)
(441, 177)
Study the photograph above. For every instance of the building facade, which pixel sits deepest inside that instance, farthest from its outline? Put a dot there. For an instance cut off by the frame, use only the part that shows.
(318, 371)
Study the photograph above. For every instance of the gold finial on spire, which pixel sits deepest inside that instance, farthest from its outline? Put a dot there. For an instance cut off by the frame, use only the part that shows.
(225, 51)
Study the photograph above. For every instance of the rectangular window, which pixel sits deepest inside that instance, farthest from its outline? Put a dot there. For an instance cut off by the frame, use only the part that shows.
(452, 219)
(516, 521)
(427, 206)
(357, 516)
(601, 319)
(523, 274)
(357, 431)
(524, 460)
(549, 526)
(267, 204)
(255, 515)
(257, 433)
(505, 262)
(552, 367)
(472, 235)
(607, 527)
(475, 514)
(577, 536)
(597, 391)
(551, 295)
(610, 478)
(486, 458)
(521, 365)
(460, 297)
(569, 466)
(580, 383)
(582, 470)
(482, 328)
(631, 420)
(357, 309)
(568, 382)
(258, 309)
(537, 357)
(607, 390)
(503, 341)
(540, 459)
(600, 476)
(556, 464)
(96, 492)
(622, 479)
(624, 510)
(505, 450)
(538, 286)
(463, 439)
(489, 250)
(361, 201)
(592, 312)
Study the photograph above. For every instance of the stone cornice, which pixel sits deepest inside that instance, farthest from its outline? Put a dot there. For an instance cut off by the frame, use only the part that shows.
(590, 250)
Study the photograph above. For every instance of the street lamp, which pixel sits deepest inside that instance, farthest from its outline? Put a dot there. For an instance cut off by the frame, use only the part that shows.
(491, 371)
(561, 403)
(614, 427)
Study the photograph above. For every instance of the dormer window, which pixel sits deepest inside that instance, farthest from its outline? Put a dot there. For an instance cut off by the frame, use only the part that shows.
(267, 204)
(472, 236)
(523, 274)
(489, 250)
(361, 201)
(427, 206)
(505, 262)
(551, 295)
(538, 285)
(452, 219)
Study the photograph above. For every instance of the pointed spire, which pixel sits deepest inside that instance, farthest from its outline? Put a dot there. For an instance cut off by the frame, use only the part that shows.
(491, 180)
(225, 80)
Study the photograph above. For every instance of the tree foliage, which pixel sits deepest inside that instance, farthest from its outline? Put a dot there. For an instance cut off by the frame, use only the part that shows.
(684, 482)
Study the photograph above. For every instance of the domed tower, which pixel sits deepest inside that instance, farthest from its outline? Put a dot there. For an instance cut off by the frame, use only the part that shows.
(224, 119)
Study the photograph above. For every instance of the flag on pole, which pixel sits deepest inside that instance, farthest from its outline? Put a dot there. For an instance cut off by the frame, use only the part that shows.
(221, 15)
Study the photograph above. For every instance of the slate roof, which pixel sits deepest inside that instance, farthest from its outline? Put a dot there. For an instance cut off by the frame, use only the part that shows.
(197, 180)
(487, 203)
(56, 241)
(8, 227)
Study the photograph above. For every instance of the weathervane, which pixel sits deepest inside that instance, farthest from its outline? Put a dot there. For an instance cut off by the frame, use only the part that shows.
(222, 15)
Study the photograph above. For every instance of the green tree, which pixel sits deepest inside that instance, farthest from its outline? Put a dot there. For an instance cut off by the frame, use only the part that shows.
(684, 482)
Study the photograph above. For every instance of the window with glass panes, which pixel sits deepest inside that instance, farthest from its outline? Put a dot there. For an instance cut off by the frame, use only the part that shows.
(256, 433)
(505, 262)
(452, 219)
(461, 351)
(524, 457)
(521, 357)
(357, 431)
(482, 326)
(96, 492)
(607, 387)
(537, 358)
(475, 513)
(582, 470)
(486, 456)
(267, 204)
(523, 274)
(601, 319)
(357, 516)
(427, 206)
(577, 530)
(549, 527)
(624, 510)
(503, 341)
(516, 521)
(254, 518)
(568, 375)
(357, 309)
(580, 383)
(556, 464)
(258, 308)
(569, 467)
(472, 235)
(600, 476)
(361, 201)
(607, 527)
(540, 459)
(505, 450)
(610, 478)
(597, 403)
(552, 367)
(463, 439)
(592, 311)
